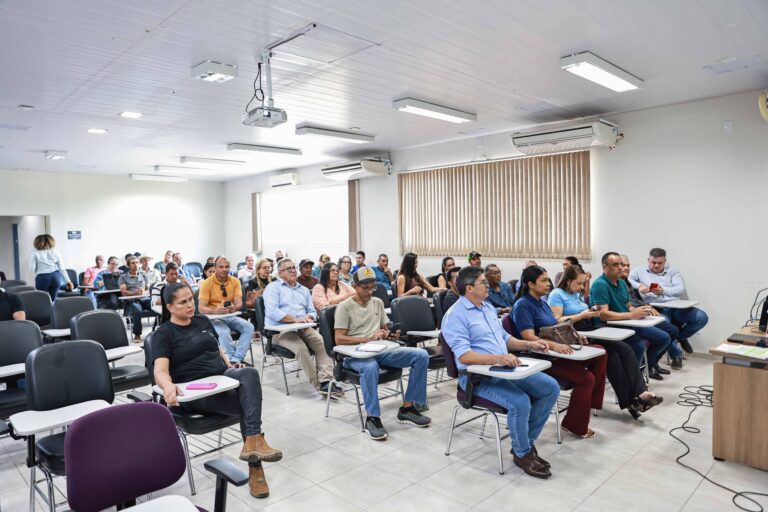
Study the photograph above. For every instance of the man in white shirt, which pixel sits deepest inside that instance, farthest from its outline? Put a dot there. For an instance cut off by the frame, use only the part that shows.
(659, 282)
(245, 274)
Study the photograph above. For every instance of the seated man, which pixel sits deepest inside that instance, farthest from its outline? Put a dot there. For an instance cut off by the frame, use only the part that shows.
(474, 259)
(91, 272)
(134, 284)
(359, 261)
(125, 267)
(306, 278)
(519, 284)
(611, 297)
(10, 307)
(222, 294)
(246, 273)
(322, 260)
(659, 282)
(360, 319)
(453, 295)
(500, 294)
(473, 331)
(151, 273)
(287, 302)
(178, 259)
(107, 279)
(384, 275)
(171, 277)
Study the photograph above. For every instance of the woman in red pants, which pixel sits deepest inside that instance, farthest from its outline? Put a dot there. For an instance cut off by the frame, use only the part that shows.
(529, 314)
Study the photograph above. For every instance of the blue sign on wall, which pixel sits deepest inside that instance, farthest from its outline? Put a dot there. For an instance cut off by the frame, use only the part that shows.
(74, 235)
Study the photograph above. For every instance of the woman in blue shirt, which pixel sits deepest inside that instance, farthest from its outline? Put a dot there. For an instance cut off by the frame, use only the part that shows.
(624, 373)
(46, 263)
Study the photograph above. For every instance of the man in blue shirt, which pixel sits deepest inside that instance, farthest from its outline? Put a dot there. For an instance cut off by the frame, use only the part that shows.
(659, 282)
(359, 261)
(473, 331)
(288, 302)
(500, 294)
(178, 259)
(384, 276)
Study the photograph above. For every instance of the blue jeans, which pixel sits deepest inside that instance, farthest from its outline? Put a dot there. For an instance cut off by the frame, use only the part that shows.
(224, 326)
(416, 359)
(528, 403)
(48, 283)
(689, 320)
(661, 338)
(134, 310)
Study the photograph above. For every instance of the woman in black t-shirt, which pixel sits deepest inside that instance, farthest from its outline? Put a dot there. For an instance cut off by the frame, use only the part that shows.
(185, 348)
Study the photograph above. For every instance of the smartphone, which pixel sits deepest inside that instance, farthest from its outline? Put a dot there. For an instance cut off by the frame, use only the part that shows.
(504, 368)
(227, 303)
(201, 386)
(654, 286)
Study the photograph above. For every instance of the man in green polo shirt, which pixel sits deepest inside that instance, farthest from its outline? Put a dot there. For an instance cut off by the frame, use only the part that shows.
(610, 295)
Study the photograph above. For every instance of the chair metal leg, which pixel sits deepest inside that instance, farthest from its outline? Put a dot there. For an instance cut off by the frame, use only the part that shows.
(437, 376)
(557, 424)
(646, 370)
(285, 379)
(402, 389)
(328, 398)
(32, 484)
(263, 362)
(450, 430)
(51, 494)
(189, 462)
(498, 443)
(485, 421)
(359, 408)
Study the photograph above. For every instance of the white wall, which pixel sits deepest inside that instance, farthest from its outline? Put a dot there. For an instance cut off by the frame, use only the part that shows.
(117, 215)
(6, 246)
(677, 181)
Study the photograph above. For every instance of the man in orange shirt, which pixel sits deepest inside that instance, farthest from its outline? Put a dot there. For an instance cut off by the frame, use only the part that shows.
(221, 294)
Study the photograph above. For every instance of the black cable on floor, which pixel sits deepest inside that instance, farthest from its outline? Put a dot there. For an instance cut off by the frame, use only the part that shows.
(701, 396)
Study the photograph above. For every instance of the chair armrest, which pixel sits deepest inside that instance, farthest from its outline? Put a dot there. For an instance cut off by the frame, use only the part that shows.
(223, 468)
(138, 396)
(4, 428)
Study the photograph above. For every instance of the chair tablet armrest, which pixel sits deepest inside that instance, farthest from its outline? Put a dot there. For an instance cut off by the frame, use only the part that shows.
(223, 468)
(138, 396)
(4, 428)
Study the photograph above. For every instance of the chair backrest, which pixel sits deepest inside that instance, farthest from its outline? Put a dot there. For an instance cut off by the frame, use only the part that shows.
(15, 290)
(103, 326)
(65, 308)
(72, 277)
(111, 280)
(450, 361)
(413, 313)
(326, 321)
(151, 455)
(195, 268)
(437, 301)
(17, 339)
(81, 277)
(381, 293)
(67, 373)
(508, 324)
(258, 314)
(513, 283)
(149, 358)
(12, 282)
(37, 307)
(240, 265)
(432, 280)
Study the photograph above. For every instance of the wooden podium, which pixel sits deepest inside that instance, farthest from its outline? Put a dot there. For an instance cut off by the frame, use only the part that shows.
(740, 419)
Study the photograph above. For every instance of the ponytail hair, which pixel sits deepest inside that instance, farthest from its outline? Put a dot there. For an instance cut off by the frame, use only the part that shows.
(530, 275)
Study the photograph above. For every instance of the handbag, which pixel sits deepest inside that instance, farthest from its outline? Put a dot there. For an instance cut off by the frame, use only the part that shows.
(563, 333)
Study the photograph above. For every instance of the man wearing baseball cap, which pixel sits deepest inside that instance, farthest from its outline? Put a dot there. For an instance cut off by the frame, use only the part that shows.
(305, 274)
(474, 259)
(361, 319)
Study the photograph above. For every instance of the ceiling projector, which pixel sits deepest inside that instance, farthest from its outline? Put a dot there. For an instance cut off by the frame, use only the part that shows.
(265, 117)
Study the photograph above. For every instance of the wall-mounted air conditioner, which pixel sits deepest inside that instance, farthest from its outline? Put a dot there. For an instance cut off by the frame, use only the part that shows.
(360, 169)
(286, 179)
(598, 134)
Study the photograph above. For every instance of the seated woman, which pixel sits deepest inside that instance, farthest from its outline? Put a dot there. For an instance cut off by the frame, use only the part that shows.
(186, 348)
(571, 261)
(208, 270)
(345, 270)
(261, 278)
(566, 302)
(530, 313)
(330, 290)
(409, 281)
(442, 279)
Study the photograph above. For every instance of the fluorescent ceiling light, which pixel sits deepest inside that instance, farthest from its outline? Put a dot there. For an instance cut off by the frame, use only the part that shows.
(56, 155)
(131, 115)
(593, 68)
(355, 138)
(212, 71)
(97, 131)
(155, 177)
(236, 146)
(185, 170)
(210, 161)
(423, 108)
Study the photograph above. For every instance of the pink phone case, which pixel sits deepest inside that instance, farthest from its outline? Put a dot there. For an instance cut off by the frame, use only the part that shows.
(201, 386)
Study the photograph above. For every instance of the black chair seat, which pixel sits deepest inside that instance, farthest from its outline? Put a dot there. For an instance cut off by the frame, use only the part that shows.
(12, 401)
(196, 423)
(565, 384)
(436, 357)
(278, 350)
(480, 402)
(129, 377)
(385, 375)
(50, 451)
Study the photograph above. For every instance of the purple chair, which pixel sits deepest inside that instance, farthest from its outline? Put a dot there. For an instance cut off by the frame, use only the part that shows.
(467, 400)
(139, 445)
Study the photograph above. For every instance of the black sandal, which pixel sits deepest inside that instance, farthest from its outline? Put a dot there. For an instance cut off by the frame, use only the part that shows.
(645, 405)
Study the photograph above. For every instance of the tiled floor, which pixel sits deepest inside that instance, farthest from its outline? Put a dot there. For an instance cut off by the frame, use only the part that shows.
(329, 465)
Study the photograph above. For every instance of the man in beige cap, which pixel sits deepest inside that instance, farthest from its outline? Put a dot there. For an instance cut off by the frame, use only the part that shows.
(151, 273)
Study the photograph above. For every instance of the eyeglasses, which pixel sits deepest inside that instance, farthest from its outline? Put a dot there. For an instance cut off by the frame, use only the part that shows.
(223, 290)
(484, 282)
(288, 269)
(368, 288)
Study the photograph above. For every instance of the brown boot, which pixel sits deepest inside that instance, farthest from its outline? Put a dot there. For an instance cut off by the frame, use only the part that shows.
(256, 449)
(257, 482)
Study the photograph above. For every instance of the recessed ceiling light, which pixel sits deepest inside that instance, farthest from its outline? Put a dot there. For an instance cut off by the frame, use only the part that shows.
(97, 131)
(172, 169)
(212, 71)
(591, 67)
(155, 177)
(56, 155)
(25, 107)
(355, 138)
(236, 146)
(423, 108)
(210, 161)
(131, 115)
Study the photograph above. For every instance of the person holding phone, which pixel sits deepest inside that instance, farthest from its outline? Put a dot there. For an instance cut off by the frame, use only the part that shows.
(185, 348)
(361, 319)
